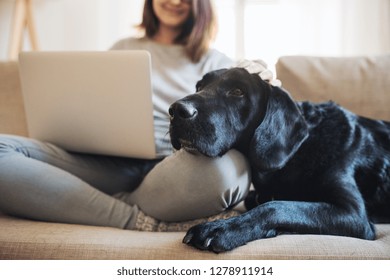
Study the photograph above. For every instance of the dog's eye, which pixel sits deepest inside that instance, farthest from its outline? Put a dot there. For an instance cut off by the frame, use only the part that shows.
(236, 92)
(199, 86)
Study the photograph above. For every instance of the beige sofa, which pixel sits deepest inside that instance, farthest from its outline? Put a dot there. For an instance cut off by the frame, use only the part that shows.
(360, 84)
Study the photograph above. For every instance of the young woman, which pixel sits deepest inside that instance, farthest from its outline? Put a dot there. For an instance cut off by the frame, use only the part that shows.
(42, 181)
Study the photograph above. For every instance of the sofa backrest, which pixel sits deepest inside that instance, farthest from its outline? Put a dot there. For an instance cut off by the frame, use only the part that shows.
(360, 84)
(12, 116)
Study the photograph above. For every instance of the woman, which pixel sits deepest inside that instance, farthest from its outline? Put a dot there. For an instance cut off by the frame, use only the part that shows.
(44, 182)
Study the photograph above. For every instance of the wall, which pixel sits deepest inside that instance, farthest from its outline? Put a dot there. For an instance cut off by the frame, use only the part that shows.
(74, 24)
(249, 29)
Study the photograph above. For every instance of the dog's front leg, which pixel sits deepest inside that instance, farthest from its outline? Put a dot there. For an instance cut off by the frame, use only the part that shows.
(276, 217)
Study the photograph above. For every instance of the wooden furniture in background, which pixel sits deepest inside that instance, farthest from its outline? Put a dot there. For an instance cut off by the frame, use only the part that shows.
(22, 19)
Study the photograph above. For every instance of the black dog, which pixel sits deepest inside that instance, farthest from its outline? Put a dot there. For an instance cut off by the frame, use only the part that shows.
(317, 168)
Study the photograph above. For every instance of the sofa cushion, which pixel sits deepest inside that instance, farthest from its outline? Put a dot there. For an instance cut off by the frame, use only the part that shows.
(24, 239)
(12, 116)
(360, 84)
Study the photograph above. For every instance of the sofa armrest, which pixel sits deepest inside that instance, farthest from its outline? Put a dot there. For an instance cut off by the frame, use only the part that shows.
(12, 116)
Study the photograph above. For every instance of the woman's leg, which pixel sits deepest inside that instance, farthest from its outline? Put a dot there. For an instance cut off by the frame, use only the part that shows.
(185, 186)
(43, 182)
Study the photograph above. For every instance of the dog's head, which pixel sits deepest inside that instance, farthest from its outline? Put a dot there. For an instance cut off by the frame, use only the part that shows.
(235, 109)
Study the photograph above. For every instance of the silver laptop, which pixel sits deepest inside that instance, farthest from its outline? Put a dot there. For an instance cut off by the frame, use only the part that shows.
(90, 102)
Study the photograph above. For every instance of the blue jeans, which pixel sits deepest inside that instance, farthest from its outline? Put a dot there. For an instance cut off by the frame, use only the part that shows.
(44, 182)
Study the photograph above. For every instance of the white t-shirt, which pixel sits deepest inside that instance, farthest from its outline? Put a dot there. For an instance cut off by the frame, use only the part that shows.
(174, 76)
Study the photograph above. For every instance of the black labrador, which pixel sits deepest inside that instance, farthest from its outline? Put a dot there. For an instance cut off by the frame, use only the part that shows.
(316, 168)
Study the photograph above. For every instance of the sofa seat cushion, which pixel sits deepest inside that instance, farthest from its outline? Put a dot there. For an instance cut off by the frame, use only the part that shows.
(24, 239)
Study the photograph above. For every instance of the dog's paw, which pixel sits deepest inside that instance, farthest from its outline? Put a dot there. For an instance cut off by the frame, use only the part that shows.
(218, 236)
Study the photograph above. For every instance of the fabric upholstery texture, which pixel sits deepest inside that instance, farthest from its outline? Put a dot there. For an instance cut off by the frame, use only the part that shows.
(12, 117)
(360, 84)
(23, 239)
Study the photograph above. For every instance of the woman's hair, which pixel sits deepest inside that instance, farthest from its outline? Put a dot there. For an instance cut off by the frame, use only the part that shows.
(197, 32)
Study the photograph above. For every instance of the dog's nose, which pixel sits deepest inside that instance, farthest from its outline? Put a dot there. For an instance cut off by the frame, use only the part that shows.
(183, 110)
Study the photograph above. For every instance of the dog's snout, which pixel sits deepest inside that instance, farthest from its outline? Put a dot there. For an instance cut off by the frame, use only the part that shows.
(183, 110)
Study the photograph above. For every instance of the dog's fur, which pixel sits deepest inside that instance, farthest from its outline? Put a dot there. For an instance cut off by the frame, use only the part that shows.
(317, 168)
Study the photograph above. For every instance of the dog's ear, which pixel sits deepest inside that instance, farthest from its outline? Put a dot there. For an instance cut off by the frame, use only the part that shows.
(280, 134)
(209, 78)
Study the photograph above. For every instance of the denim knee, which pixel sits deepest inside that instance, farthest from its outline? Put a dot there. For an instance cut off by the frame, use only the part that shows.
(9, 144)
